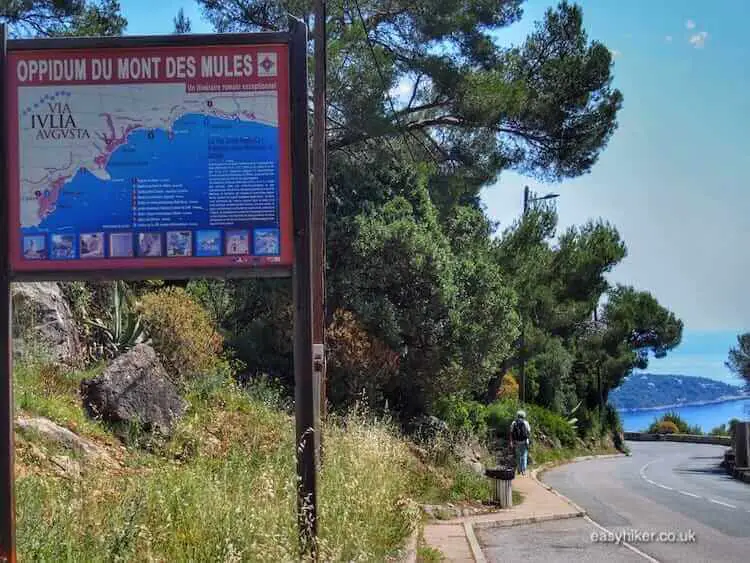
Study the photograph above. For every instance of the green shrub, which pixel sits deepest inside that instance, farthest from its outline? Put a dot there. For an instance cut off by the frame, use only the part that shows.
(666, 427)
(462, 415)
(230, 496)
(678, 421)
(122, 327)
(182, 333)
(551, 424)
(681, 425)
(543, 421)
(499, 416)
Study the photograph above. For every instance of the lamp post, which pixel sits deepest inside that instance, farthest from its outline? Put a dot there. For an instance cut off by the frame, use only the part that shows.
(527, 199)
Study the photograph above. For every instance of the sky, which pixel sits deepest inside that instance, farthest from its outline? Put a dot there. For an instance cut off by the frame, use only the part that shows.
(672, 179)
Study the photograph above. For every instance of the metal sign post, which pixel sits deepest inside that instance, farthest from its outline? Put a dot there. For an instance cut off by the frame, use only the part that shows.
(7, 501)
(238, 207)
(304, 388)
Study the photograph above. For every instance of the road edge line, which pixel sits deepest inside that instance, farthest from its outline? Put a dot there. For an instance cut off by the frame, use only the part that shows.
(626, 544)
(476, 550)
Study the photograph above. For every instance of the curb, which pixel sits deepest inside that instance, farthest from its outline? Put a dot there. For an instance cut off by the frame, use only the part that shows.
(577, 512)
(476, 551)
(527, 520)
(578, 509)
(409, 552)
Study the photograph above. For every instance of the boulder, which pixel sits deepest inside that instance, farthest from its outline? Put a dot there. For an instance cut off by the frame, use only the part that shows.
(65, 438)
(134, 389)
(41, 314)
(471, 453)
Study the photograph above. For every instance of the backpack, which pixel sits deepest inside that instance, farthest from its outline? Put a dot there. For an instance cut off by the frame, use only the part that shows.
(520, 431)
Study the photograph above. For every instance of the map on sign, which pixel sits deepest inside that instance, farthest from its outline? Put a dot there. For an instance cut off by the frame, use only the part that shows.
(139, 166)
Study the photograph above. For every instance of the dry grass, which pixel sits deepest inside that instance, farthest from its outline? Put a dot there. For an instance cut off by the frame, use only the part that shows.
(223, 489)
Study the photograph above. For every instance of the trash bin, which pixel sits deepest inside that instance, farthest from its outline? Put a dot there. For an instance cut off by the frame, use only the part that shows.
(501, 479)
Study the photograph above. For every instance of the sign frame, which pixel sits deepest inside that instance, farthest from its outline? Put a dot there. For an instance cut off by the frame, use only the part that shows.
(103, 44)
(306, 414)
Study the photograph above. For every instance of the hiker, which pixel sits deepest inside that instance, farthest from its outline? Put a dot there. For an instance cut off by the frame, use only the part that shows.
(520, 434)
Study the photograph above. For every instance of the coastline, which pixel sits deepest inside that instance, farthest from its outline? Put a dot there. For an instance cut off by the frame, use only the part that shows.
(694, 404)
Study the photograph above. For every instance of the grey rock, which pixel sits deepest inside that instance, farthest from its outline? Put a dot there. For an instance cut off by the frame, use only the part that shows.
(65, 466)
(69, 440)
(41, 313)
(471, 453)
(135, 389)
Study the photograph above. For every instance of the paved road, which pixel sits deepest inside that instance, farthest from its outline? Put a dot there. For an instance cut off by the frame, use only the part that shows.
(559, 541)
(662, 488)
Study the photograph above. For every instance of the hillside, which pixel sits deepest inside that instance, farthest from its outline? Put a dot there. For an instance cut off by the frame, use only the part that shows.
(646, 390)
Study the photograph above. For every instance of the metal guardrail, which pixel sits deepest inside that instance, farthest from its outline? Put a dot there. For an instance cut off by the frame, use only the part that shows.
(688, 438)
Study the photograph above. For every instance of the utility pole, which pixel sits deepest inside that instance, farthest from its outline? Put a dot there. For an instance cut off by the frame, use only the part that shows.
(522, 343)
(527, 198)
(320, 162)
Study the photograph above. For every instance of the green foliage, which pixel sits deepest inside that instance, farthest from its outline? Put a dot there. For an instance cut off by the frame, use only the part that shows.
(255, 318)
(224, 488)
(677, 420)
(415, 291)
(570, 357)
(499, 416)
(462, 415)
(182, 333)
(123, 327)
(411, 254)
(66, 18)
(44, 389)
(359, 365)
(441, 476)
(673, 419)
(181, 22)
(545, 424)
(739, 357)
(666, 427)
(478, 107)
(725, 429)
(551, 425)
(427, 554)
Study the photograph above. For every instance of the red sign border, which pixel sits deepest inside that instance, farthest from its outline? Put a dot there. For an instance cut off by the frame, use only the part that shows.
(166, 267)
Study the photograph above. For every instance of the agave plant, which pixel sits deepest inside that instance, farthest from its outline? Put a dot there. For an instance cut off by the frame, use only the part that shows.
(573, 421)
(123, 327)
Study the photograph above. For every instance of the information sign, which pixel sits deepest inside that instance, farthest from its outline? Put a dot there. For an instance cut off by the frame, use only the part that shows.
(146, 158)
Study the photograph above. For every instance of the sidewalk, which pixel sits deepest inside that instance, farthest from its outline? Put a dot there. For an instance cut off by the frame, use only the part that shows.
(454, 538)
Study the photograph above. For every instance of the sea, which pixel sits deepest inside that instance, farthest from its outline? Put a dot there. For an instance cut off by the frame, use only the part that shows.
(706, 416)
(176, 164)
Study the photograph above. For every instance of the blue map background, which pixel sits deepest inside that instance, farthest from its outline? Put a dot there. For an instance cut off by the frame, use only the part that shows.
(86, 203)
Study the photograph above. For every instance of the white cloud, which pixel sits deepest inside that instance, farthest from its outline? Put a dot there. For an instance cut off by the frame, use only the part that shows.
(698, 40)
(690, 24)
(615, 53)
(668, 39)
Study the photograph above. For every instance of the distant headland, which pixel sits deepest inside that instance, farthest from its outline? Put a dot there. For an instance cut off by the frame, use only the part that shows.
(647, 391)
